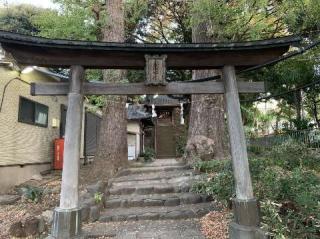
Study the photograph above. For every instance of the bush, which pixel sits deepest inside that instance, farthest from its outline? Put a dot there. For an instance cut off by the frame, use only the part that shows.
(32, 193)
(292, 154)
(285, 184)
(148, 154)
(181, 145)
(212, 166)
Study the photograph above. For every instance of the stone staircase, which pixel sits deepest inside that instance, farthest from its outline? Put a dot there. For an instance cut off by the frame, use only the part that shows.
(155, 191)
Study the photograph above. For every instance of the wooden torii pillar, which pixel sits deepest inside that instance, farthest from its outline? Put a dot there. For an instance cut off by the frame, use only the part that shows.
(27, 50)
(67, 218)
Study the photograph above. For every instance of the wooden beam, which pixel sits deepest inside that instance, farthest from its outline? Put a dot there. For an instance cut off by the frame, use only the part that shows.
(174, 88)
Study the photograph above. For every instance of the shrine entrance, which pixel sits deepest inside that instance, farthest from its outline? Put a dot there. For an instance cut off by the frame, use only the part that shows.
(156, 59)
(165, 135)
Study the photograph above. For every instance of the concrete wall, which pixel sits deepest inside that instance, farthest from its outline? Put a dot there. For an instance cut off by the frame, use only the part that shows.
(22, 143)
(21, 174)
(134, 136)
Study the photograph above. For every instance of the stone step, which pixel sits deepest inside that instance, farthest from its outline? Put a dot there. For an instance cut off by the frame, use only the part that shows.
(154, 176)
(172, 199)
(138, 170)
(158, 163)
(157, 213)
(174, 185)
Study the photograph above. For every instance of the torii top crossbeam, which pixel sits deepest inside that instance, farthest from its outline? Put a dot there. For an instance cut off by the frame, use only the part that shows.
(28, 50)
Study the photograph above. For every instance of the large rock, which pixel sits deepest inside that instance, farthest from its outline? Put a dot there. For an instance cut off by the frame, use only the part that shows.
(8, 199)
(31, 226)
(47, 216)
(16, 230)
(200, 147)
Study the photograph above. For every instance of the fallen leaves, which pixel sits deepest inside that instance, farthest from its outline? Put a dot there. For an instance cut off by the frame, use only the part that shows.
(215, 225)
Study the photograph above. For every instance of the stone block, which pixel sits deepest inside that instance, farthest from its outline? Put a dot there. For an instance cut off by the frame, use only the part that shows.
(191, 199)
(164, 189)
(113, 203)
(148, 216)
(173, 215)
(9, 199)
(98, 187)
(246, 212)
(16, 230)
(144, 190)
(172, 202)
(31, 226)
(66, 223)
(47, 216)
(85, 212)
(42, 226)
(94, 213)
(237, 231)
(153, 202)
(135, 203)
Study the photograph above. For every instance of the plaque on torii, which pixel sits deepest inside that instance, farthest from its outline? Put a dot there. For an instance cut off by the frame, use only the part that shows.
(156, 70)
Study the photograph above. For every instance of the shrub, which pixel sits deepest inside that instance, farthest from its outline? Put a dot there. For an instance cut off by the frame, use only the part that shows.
(267, 182)
(148, 154)
(32, 193)
(292, 154)
(181, 145)
(98, 196)
(212, 166)
(220, 183)
(285, 180)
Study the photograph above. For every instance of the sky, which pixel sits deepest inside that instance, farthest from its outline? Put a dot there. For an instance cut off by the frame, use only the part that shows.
(38, 3)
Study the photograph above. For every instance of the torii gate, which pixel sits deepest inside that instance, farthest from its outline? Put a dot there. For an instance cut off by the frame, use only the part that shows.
(155, 58)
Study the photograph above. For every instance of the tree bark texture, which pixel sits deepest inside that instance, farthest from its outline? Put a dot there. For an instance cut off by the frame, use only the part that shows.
(112, 151)
(207, 113)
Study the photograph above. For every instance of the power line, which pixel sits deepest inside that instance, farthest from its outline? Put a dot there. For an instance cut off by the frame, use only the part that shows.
(284, 93)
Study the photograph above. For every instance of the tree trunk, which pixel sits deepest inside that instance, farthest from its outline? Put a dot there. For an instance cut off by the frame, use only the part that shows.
(112, 151)
(315, 111)
(207, 121)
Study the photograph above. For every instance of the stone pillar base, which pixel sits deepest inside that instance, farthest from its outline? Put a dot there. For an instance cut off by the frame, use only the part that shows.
(237, 231)
(66, 224)
(246, 223)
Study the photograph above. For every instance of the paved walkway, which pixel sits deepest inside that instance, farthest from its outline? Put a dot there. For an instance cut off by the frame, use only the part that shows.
(152, 201)
(161, 229)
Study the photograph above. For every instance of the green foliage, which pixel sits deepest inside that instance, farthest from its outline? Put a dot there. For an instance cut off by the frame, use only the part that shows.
(19, 18)
(255, 19)
(71, 24)
(292, 154)
(181, 145)
(212, 166)
(148, 154)
(98, 196)
(286, 181)
(32, 193)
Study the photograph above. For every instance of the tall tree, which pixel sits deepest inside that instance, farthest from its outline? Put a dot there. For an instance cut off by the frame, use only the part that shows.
(103, 21)
(112, 147)
(207, 122)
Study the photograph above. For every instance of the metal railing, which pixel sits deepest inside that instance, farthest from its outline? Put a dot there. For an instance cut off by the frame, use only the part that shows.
(309, 137)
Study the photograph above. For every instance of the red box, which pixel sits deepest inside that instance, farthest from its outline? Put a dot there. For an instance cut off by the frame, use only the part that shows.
(58, 154)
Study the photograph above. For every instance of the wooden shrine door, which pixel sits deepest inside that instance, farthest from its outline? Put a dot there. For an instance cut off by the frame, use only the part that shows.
(165, 135)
